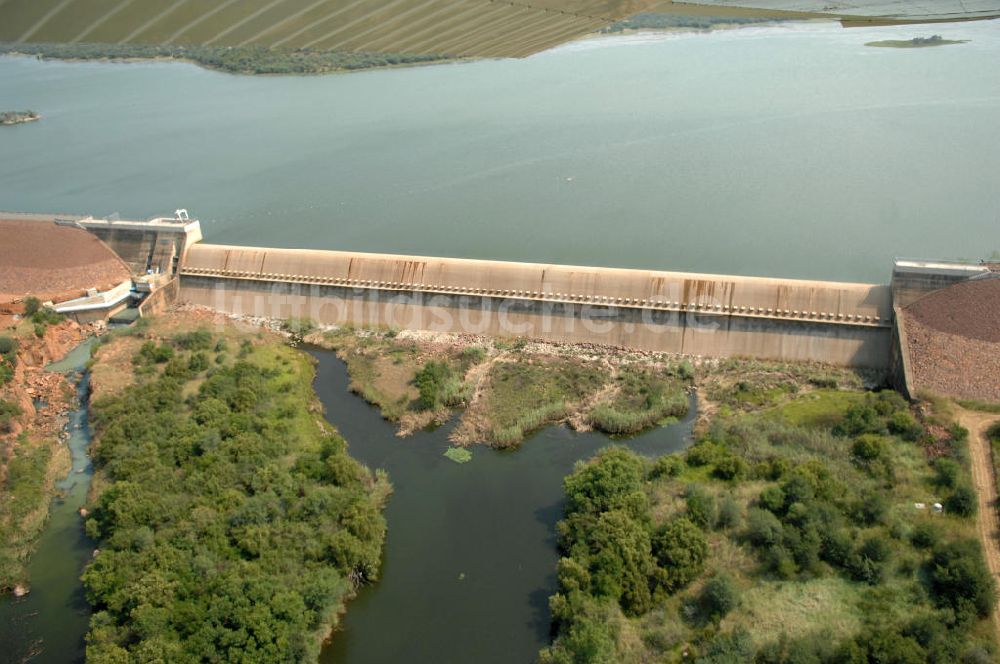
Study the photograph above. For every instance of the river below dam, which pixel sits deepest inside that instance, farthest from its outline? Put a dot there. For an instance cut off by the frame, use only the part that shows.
(791, 150)
(471, 554)
(47, 626)
(469, 561)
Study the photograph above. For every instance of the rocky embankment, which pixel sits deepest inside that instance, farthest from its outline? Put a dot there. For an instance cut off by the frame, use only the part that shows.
(35, 432)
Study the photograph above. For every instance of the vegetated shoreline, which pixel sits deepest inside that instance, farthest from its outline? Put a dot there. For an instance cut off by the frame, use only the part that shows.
(916, 42)
(18, 117)
(800, 526)
(216, 474)
(246, 60)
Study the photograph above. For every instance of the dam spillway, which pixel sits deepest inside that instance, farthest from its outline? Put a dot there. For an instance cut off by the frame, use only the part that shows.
(694, 314)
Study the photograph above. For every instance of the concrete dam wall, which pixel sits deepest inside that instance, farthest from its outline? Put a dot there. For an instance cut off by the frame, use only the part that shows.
(697, 314)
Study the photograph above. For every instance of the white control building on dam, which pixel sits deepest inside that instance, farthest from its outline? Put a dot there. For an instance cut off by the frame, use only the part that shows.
(848, 324)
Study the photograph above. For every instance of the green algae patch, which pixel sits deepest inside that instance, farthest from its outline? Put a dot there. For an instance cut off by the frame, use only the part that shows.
(458, 454)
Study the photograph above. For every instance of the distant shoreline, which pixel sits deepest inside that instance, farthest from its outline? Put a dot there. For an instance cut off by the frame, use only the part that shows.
(251, 61)
(916, 42)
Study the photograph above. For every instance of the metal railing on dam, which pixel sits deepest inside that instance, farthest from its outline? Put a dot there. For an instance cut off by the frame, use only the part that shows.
(698, 314)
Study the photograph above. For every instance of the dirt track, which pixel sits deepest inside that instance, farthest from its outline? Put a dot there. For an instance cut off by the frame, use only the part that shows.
(987, 519)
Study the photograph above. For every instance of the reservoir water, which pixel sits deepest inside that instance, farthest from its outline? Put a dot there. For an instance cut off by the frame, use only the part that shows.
(471, 552)
(790, 151)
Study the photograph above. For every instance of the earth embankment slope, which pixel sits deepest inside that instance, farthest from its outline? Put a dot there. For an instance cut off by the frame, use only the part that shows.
(54, 262)
(954, 340)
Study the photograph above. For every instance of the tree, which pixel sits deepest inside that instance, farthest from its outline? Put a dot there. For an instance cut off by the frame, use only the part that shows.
(960, 579)
(614, 480)
(430, 382)
(680, 549)
(963, 501)
(719, 596)
(701, 507)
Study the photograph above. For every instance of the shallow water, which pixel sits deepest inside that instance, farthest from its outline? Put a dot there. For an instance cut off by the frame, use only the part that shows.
(48, 624)
(471, 553)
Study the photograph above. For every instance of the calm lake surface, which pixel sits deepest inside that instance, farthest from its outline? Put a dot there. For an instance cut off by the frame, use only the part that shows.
(471, 553)
(787, 151)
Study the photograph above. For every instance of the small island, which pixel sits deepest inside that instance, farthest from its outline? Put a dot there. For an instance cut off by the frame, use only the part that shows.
(18, 117)
(916, 42)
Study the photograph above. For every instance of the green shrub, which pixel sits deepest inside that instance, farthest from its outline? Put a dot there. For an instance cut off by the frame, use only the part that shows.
(198, 362)
(905, 426)
(299, 327)
(704, 453)
(668, 465)
(947, 473)
(613, 480)
(763, 528)
(194, 340)
(729, 467)
(8, 346)
(859, 418)
(993, 433)
(719, 596)
(701, 507)
(925, 535)
(960, 579)
(430, 381)
(473, 354)
(680, 549)
(730, 513)
(962, 501)
(31, 305)
(869, 447)
(729, 648)
(8, 411)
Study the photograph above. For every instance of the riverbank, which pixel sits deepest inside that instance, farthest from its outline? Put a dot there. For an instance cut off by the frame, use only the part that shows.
(215, 470)
(253, 60)
(18, 117)
(33, 413)
(826, 524)
(502, 390)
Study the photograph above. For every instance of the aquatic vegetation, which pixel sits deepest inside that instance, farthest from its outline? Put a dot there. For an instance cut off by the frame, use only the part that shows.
(458, 454)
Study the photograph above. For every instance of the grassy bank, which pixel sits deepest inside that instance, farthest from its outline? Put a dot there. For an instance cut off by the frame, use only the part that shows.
(505, 390)
(233, 524)
(233, 60)
(790, 532)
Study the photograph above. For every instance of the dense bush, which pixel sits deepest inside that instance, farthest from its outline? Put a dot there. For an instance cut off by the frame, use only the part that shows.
(231, 527)
(431, 381)
(613, 555)
(719, 596)
(960, 579)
